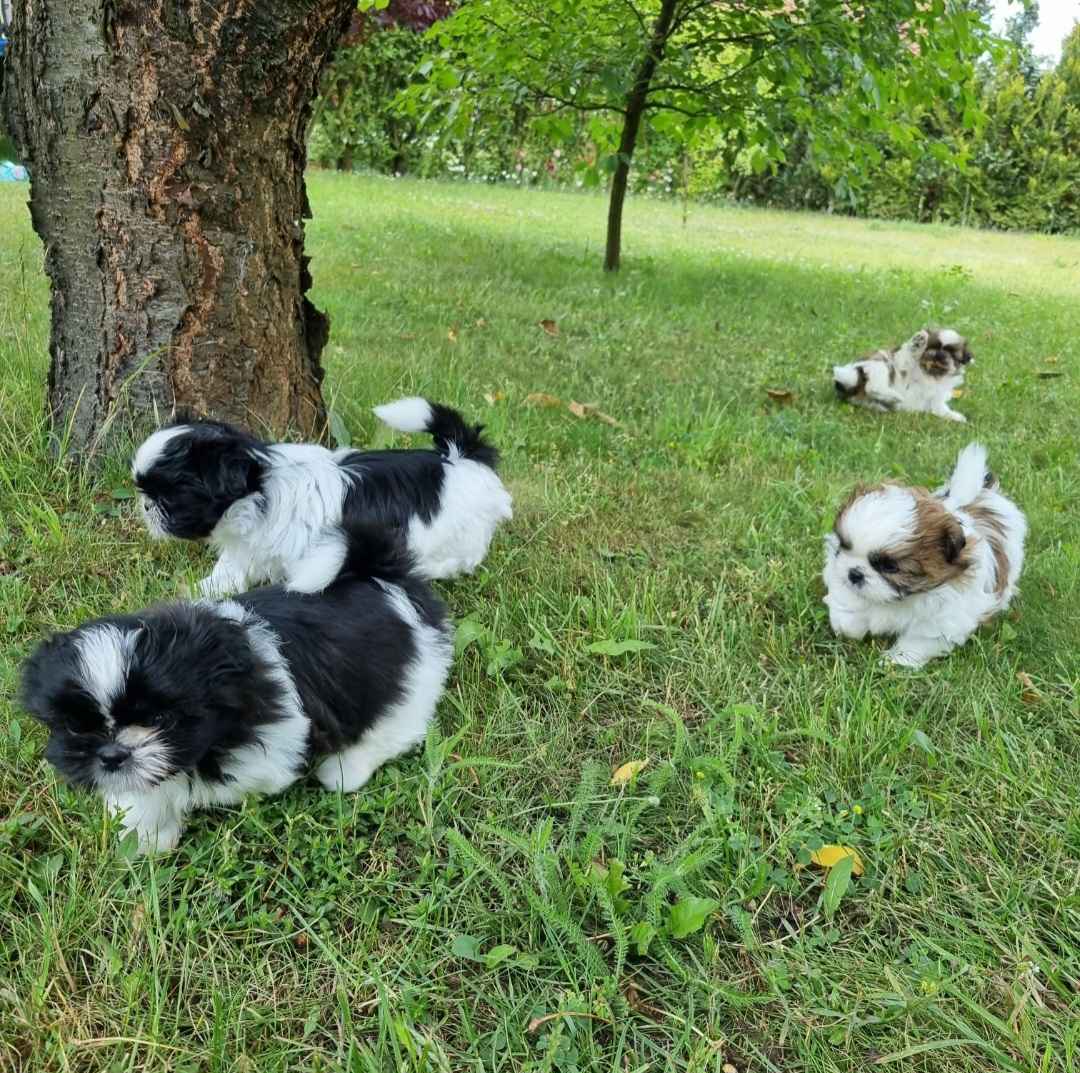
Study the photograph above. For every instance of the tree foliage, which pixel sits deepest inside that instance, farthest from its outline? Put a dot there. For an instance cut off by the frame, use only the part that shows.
(742, 72)
(1000, 150)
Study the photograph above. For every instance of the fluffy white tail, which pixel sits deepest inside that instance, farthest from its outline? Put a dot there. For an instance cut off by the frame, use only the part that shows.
(846, 375)
(406, 415)
(969, 477)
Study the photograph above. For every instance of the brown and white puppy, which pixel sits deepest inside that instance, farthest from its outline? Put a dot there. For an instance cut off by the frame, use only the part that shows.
(920, 376)
(928, 567)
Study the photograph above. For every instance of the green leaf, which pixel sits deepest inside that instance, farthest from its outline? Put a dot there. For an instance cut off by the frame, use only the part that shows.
(339, 430)
(467, 631)
(641, 934)
(616, 884)
(502, 658)
(689, 915)
(836, 884)
(617, 648)
(498, 954)
(920, 739)
(466, 947)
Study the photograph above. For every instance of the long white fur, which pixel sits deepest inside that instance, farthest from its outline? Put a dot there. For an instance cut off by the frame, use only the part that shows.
(930, 624)
(105, 653)
(412, 414)
(913, 390)
(289, 533)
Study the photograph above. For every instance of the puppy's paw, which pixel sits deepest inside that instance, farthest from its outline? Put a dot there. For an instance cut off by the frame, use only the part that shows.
(900, 657)
(952, 415)
(158, 839)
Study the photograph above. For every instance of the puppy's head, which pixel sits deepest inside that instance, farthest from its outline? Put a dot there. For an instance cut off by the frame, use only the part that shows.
(189, 474)
(940, 352)
(129, 704)
(891, 542)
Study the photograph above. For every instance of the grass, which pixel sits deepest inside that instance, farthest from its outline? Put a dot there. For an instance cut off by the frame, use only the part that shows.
(485, 904)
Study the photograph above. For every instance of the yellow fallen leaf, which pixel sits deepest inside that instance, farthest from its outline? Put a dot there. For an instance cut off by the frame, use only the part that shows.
(550, 327)
(1030, 694)
(481, 323)
(628, 770)
(780, 394)
(586, 409)
(1052, 360)
(452, 335)
(828, 856)
(541, 398)
(493, 397)
(958, 393)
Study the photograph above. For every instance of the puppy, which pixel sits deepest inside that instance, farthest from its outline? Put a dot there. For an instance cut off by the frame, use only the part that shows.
(191, 705)
(929, 568)
(273, 511)
(920, 375)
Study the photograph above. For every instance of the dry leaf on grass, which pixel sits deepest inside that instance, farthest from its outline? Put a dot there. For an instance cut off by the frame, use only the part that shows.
(542, 398)
(539, 1022)
(586, 409)
(550, 327)
(828, 856)
(627, 771)
(780, 394)
(958, 393)
(481, 323)
(452, 335)
(1052, 360)
(1030, 694)
(493, 397)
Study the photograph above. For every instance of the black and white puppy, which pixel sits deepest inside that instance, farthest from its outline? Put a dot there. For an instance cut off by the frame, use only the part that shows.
(273, 511)
(195, 704)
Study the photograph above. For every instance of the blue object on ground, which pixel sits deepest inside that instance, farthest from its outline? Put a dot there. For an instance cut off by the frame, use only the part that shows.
(12, 173)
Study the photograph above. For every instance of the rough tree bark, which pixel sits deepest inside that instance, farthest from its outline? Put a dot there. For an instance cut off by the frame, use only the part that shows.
(165, 142)
(632, 115)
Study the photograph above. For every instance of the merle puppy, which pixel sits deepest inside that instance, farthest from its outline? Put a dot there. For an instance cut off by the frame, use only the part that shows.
(191, 705)
(273, 511)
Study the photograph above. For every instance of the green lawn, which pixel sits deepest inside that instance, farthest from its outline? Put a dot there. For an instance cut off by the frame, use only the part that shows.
(481, 905)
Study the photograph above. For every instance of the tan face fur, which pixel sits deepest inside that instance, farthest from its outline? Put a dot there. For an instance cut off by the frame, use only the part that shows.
(896, 542)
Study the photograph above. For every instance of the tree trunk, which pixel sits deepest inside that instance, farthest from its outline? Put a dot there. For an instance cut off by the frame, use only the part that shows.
(166, 146)
(635, 110)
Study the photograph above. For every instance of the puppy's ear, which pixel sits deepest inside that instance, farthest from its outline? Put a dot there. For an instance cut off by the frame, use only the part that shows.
(51, 663)
(953, 540)
(920, 340)
(229, 468)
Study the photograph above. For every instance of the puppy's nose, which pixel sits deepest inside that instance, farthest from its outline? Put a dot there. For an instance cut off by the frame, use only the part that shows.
(113, 755)
(856, 576)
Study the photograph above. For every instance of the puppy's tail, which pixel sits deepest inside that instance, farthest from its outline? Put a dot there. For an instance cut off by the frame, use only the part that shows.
(848, 380)
(452, 436)
(375, 551)
(969, 478)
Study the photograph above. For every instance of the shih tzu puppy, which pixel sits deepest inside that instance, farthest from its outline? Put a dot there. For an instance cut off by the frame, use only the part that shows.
(921, 375)
(929, 568)
(191, 705)
(273, 511)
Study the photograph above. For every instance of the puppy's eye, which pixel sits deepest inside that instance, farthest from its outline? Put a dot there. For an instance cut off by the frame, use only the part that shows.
(79, 722)
(884, 564)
